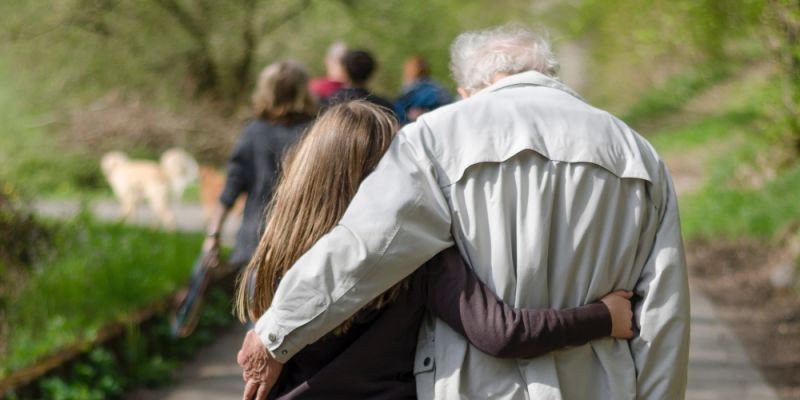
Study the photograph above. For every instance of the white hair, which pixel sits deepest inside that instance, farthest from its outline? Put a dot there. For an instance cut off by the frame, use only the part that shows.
(476, 57)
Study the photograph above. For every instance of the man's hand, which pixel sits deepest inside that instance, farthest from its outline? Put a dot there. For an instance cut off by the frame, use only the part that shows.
(260, 370)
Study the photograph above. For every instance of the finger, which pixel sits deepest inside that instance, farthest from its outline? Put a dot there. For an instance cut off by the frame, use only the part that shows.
(628, 335)
(240, 358)
(244, 377)
(624, 293)
(250, 390)
(263, 390)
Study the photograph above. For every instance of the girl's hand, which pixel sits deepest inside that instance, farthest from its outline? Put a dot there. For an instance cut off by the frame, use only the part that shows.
(619, 306)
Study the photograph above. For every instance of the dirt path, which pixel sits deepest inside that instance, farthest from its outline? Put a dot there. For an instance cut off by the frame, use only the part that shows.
(188, 216)
(212, 375)
(718, 364)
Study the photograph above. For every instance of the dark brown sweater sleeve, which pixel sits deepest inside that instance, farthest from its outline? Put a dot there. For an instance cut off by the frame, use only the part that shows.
(457, 296)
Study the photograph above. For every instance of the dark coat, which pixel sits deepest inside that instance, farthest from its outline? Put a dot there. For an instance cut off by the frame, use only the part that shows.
(344, 95)
(253, 169)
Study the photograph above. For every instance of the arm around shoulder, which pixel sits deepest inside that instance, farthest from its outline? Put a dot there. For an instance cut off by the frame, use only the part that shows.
(397, 220)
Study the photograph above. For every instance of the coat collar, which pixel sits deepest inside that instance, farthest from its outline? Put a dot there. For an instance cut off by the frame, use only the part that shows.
(530, 78)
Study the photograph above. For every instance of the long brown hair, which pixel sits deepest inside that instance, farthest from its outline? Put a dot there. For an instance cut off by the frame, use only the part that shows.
(320, 177)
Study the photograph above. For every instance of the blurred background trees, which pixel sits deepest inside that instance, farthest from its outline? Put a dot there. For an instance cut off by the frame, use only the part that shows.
(713, 84)
(709, 38)
(212, 49)
(145, 75)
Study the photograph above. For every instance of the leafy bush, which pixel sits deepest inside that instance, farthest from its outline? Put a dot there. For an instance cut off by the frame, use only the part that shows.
(23, 240)
(22, 237)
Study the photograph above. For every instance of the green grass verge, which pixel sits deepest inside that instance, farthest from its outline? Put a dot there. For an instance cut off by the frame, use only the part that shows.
(728, 140)
(669, 97)
(707, 132)
(95, 274)
(723, 210)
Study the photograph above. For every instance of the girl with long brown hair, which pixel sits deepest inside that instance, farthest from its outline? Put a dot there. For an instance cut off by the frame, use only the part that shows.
(371, 355)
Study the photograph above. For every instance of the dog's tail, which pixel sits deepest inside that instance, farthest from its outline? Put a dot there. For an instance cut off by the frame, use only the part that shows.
(180, 168)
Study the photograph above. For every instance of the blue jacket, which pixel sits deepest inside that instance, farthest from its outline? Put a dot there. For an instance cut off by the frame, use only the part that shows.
(423, 94)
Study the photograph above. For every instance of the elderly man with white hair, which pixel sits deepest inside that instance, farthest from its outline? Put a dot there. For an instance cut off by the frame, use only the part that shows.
(553, 203)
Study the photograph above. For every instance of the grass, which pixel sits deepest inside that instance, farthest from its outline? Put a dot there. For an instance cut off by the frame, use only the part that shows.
(720, 211)
(706, 132)
(96, 274)
(669, 97)
(727, 140)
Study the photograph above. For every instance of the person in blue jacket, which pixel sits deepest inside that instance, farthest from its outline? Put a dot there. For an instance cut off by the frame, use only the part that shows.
(420, 93)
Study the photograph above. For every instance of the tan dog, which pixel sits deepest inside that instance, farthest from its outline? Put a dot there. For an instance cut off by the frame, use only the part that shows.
(157, 183)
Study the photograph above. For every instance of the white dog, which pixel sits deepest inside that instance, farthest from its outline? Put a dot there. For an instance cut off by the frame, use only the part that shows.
(157, 183)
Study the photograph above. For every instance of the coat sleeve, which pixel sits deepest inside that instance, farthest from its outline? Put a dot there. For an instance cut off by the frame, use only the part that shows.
(459, 298)
(240, 170)
(397, 220)
(661, 349)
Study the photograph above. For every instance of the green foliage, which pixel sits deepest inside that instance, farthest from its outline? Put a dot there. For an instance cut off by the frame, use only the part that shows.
(98, 376)
(782, 18)
(669, 97)
(96, 274)
(722, 211)
(635, 45)
(147, 355)
(22, 236)
(191, 58)
(214, 49)
(730, 141)
(709, 131)
(32, 159)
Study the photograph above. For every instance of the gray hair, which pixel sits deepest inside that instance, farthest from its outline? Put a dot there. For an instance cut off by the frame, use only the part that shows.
(476, 57)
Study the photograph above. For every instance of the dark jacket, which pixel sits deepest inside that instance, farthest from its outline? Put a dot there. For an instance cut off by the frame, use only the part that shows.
(253, 169)
(349, 93)
(374, 359)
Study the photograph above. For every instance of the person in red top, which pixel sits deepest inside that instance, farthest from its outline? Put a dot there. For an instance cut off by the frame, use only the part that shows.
(324, 87)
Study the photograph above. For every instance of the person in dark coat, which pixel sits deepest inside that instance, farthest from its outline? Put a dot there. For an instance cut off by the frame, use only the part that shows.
(359, 66)
(283, 107)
